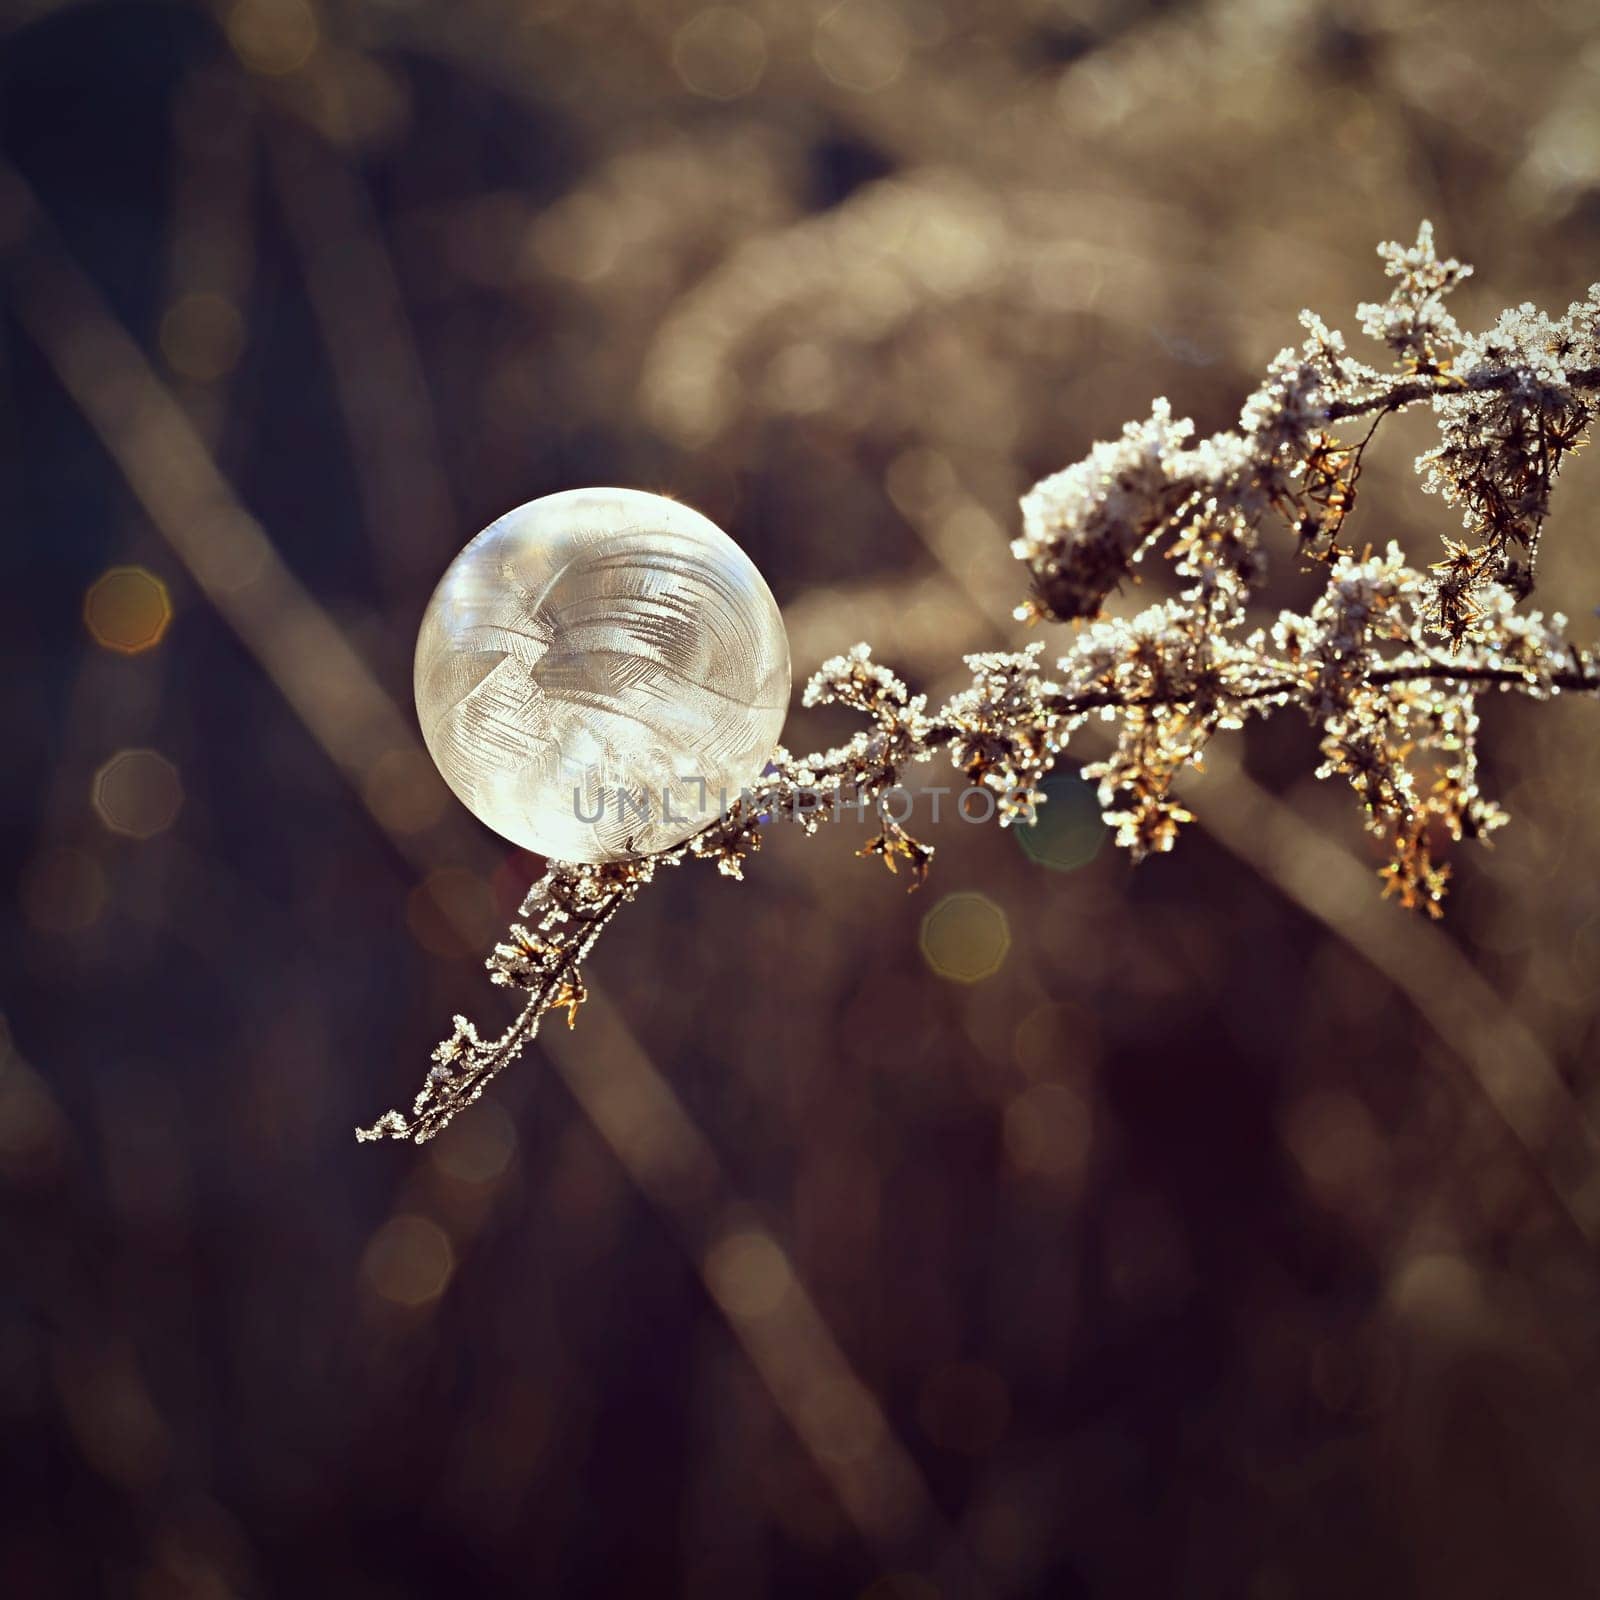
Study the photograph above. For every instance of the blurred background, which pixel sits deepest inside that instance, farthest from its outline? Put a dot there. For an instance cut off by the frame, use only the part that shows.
(1207, 1229)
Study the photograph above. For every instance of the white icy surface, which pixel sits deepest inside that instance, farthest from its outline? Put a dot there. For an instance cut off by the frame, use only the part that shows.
(594, 644)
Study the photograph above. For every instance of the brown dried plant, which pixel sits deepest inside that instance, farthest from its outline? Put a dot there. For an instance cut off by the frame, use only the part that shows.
(1388, 662)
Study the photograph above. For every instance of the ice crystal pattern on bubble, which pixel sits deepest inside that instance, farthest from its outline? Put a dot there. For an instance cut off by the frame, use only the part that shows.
(1388, 662)
(595, 669)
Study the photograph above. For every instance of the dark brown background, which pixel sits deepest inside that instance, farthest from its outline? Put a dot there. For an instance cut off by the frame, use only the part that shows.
(1234, 1238)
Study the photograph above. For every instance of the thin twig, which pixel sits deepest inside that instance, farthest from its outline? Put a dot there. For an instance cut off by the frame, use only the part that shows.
(1485, 380)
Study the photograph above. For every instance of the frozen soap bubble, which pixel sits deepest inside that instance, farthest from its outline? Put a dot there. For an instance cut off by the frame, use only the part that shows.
(599, 672)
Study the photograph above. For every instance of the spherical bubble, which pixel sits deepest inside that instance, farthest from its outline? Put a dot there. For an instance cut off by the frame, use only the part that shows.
(601, 672)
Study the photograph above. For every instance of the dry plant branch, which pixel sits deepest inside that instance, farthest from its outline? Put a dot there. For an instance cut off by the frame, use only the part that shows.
(1388, 661)
(1507, 1064)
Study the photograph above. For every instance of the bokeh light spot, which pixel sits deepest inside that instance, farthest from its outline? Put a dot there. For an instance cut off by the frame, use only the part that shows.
(127, 609)
(1052, 1036)
(577, 238)
(138, 793)
(202, 336)
(862, 44)
(478, 1146)
(1441, 1290)
(63, 891)
(1047, 1131)
(748, 1274)
(273, 37)
(1332, 1136)
(1067, 832)
(965, 937)
(720, 53)
(408, 1261)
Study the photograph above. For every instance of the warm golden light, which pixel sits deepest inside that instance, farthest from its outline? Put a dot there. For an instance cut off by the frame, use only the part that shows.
(127, 609)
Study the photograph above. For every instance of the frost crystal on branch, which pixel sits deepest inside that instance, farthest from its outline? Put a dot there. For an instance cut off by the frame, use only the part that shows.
(569, 907)
(1388, 661)
(1413, 321)
(1084, 527)
(1499, 450)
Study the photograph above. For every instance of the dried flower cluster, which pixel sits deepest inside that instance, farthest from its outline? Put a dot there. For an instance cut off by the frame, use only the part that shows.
(1388, 662)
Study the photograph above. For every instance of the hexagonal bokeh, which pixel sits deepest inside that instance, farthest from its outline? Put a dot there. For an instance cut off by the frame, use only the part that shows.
(965, 937)
(1067, 832)
(138, 793)
(127, 609)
